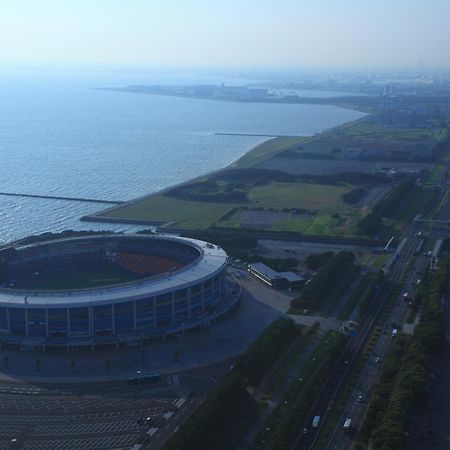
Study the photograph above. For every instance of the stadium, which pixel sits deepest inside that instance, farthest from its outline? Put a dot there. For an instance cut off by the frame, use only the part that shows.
(105, 290)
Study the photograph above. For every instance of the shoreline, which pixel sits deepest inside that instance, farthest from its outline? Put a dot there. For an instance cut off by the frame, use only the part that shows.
(156, 222)
(102, 217)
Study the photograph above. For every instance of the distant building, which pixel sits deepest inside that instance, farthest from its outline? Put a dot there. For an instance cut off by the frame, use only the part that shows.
(274, 278)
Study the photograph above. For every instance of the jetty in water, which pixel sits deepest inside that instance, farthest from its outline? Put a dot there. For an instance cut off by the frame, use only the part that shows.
(57, 197)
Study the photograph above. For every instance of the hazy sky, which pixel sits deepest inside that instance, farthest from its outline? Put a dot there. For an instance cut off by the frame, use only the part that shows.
(221, 33)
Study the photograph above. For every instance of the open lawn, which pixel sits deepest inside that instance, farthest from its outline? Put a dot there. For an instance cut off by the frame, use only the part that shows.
(322, 224)
(267, 150)
(368, 130)
(325, 199)
(183, 213)
(299, 195)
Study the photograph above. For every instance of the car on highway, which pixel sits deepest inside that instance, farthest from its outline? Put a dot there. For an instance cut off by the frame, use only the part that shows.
(316, 422)
(148, 420)
(347, 424)
(360, 399)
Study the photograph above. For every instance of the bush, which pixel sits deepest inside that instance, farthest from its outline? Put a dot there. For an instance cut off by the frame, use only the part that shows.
(371, 224)
(317, 260)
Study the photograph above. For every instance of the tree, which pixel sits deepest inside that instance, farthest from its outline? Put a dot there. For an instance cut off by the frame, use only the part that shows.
(371, 224)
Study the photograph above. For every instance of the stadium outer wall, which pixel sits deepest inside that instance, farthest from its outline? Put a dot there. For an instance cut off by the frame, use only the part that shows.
(130, 313)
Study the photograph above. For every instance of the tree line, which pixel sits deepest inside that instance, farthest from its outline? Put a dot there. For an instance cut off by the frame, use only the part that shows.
(325, 282)
(227, 412)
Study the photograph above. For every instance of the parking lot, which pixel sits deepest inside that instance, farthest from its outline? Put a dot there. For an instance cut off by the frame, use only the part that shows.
(89, 419)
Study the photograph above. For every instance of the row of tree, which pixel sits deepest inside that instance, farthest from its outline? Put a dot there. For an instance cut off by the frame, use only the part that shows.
(256, 362)
(218, 422)
(293, 411)
(391, 202)
(324, 283)
(229, 410)
(238, 243)
(354, 196)
(316, 261)
(372, 223)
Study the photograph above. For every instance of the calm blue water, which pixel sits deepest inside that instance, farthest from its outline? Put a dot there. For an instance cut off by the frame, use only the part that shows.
(58, 136)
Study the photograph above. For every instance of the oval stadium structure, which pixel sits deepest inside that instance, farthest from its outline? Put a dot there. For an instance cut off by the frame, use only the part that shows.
(110, 290)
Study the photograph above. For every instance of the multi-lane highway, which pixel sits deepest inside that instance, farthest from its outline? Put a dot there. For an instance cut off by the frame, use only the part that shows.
(355, 346)
(406, 269)
(357, 404)
(401, 272)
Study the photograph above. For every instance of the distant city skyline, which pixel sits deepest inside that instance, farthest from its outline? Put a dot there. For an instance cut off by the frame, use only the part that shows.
(211, 34)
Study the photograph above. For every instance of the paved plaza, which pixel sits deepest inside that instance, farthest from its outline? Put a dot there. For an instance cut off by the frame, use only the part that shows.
(83, 400)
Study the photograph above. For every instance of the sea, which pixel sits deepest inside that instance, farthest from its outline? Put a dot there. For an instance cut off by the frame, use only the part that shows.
(62, 136)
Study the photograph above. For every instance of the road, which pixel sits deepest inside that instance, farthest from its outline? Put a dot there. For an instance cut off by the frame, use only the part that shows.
(356, 344)
(357, 404)
(356, 409)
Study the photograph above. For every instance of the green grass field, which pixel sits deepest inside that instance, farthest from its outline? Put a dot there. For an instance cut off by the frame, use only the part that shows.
(267, 150)
(183, 213)
(199, 215)
(299, 195)
(78, 279)
(368, 130)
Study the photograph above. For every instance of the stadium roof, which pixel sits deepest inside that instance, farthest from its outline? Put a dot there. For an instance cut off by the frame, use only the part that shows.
(212, 260)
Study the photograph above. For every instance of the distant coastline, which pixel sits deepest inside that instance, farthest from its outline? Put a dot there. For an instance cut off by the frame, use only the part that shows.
(174, 91)
(362, 103)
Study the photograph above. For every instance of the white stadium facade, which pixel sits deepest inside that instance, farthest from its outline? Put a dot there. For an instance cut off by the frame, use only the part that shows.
(165, 285)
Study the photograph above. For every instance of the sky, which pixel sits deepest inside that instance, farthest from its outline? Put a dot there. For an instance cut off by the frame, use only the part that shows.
(212, 33)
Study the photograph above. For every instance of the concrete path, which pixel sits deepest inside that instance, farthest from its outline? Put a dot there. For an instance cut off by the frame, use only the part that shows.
(225, 339)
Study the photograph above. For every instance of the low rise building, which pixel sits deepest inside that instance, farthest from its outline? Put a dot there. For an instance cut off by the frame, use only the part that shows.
(274, 278)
